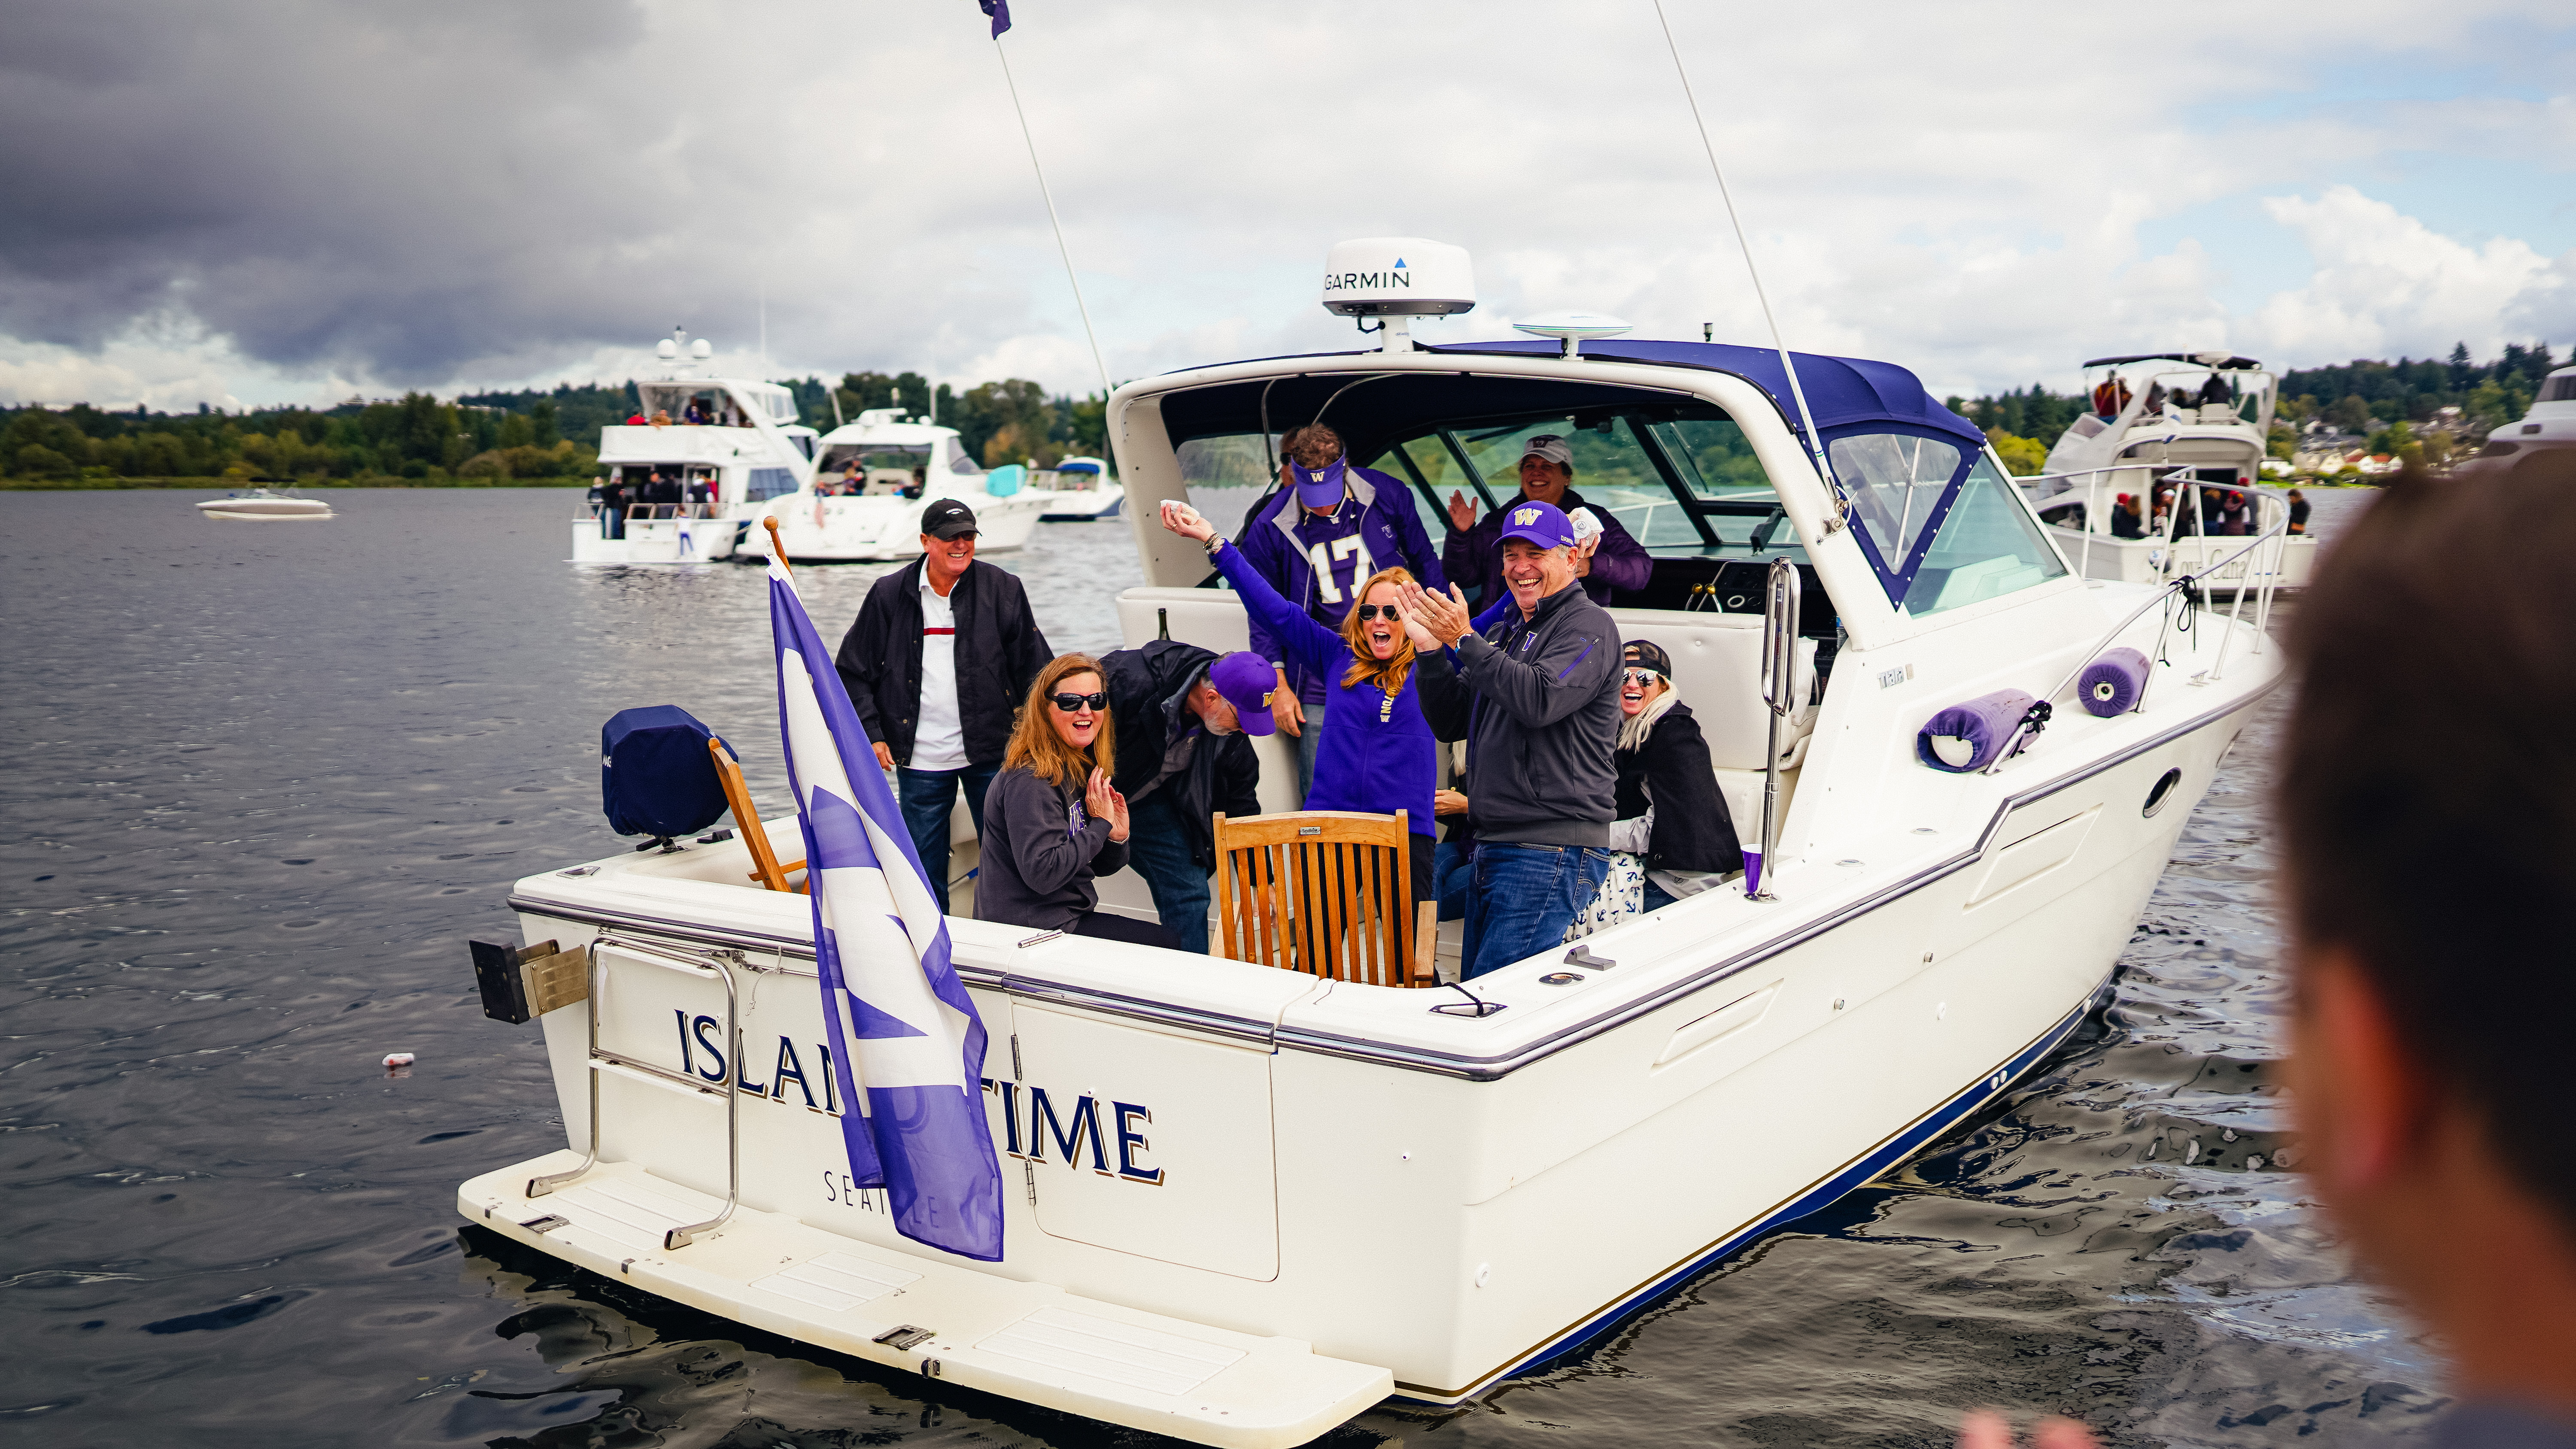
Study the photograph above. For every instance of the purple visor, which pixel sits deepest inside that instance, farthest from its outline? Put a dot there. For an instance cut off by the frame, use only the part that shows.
(1319, 487)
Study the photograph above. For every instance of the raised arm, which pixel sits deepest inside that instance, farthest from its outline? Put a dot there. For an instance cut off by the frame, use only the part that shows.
(1619, 560)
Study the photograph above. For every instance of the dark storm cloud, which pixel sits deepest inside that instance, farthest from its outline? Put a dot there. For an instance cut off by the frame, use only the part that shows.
(397, 187)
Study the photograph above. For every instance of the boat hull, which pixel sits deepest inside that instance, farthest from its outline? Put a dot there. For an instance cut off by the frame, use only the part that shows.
(885, 528)
(1086, 505)
(1453, 1216)
(265, 510)
(658, 541)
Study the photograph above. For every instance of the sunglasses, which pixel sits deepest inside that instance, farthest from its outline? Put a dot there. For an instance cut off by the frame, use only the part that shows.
(1366, 612)
(1642, 677)
(1071, 702)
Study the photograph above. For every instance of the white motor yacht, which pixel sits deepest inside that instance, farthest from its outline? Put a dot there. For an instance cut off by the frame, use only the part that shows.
(873, 478)
(1085, 491)
(265, 505)
(2549, 426)
(684, 484)
(1249, 1203)
(2198, 423)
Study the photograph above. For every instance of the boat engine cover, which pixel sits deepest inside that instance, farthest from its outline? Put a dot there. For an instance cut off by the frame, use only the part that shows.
(655, 777)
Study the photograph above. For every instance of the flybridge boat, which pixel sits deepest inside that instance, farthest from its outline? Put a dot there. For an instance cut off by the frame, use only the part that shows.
(2197, 423)
(684, 484)
(871, 482)
(1250, 1203)
(2550, 425)
(1084, 491)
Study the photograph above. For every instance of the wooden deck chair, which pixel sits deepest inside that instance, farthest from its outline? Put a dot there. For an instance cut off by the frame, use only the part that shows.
(746, 820)
(1327, 892)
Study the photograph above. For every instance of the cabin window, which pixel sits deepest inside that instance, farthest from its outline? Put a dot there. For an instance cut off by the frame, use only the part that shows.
(2559, 389)
(1226, 475)
(1987, 545)
(1674, 478)
(768, 483)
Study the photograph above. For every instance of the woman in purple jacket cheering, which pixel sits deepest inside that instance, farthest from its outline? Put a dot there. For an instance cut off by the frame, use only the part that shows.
(1377, 753)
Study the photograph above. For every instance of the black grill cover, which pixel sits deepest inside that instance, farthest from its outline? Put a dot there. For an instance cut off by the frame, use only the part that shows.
(655, 777)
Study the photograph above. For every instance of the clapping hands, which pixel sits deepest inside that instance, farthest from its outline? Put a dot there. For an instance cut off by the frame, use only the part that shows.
(1433, 621)
(1105, 803)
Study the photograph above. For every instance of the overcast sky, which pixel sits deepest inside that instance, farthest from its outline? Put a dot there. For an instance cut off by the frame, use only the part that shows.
(294, 200)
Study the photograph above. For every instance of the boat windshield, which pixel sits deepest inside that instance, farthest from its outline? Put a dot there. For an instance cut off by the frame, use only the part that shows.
(1681, 480)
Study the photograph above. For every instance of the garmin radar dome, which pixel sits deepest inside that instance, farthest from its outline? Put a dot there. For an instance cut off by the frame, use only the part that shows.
(1396, 279)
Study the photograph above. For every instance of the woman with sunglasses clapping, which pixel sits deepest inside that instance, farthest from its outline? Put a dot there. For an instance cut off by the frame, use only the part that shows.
(1053, 823)
(1377, 752)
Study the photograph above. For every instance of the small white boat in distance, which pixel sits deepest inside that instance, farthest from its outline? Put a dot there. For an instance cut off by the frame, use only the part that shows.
(265, 505)
(870, 483)
(1251, 1202)
(683, 484)
(1084, 491)
(2159, 421)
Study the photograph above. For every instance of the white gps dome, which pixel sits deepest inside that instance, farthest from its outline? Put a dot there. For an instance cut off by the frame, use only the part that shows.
(702, 349)
(1398, 276)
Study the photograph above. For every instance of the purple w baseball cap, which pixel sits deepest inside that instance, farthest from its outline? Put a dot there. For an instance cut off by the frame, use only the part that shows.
(1319, 487)
(1246, 680)
(1543, 524)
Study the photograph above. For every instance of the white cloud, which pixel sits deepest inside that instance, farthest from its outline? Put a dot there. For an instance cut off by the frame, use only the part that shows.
(2387, 284)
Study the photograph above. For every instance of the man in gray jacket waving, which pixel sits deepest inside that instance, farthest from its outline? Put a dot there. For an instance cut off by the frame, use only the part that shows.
(1544, 721)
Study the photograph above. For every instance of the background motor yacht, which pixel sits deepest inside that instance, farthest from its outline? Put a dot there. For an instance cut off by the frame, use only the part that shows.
(733, 442)
(902, 468)
(2169, 420)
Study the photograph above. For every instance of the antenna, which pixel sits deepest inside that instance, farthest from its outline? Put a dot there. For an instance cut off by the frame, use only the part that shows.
(1815, 444)
(1052, 218)
(764, 326)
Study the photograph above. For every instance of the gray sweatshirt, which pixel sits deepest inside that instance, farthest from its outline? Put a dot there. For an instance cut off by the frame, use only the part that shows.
(1546, 717)
(1041, 852)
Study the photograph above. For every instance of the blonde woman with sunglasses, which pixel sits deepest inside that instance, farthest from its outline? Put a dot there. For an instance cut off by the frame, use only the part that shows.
(1053, 823)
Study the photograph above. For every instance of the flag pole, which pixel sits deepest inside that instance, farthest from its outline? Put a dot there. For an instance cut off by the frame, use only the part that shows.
(1052, 219)
(777, 545)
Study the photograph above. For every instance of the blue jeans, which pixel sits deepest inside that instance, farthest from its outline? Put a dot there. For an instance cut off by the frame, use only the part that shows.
(1656, 896)
(1523, 897)
(927, 796)
(1311, 734)
(1159, 850)
(1452, 871)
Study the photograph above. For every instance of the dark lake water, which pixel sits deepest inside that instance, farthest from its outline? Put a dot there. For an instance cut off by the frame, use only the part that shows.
(268, 778)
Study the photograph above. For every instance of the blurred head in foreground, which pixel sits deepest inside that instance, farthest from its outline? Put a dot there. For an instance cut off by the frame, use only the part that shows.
(2428, 802)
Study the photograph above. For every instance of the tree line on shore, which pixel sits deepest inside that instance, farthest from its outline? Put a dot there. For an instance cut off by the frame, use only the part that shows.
(533, 435)
(2398, 408)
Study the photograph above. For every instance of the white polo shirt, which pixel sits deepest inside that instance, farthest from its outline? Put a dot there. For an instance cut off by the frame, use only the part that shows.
(939, 733)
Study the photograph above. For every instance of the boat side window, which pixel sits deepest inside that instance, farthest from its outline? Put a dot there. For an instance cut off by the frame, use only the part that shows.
(2559, 389)
(768, 483)
(1987, 546)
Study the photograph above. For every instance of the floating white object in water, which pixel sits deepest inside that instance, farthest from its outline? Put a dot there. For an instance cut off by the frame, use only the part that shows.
(398, 1059)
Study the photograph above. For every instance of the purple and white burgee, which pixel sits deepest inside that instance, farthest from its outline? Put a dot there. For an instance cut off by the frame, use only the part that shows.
(907, 1046)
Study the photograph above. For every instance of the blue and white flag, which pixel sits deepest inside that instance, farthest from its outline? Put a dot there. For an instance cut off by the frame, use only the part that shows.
(907, 1046)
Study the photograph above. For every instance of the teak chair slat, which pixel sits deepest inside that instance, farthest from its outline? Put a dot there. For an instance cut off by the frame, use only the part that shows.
(1326, 892)
(746, 820)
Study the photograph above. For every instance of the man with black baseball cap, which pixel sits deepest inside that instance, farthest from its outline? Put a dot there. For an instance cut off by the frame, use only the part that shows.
(1611, 559)
(937, 664)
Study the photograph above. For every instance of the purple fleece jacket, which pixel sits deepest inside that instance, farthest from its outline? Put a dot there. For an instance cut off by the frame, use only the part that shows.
(1377, 753)
(1473, 558)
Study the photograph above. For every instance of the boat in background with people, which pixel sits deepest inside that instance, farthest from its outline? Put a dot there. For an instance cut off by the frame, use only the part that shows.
(1870, 629)
(2156, 478)
(1084, 490)
(871, 480)
(265, 505)
(699, 460)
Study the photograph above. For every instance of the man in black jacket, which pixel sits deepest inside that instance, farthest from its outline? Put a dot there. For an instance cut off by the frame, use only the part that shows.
(937, 664)
(1182, 717)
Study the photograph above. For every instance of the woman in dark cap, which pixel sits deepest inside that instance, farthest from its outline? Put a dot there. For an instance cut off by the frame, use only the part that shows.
(1670, 814)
